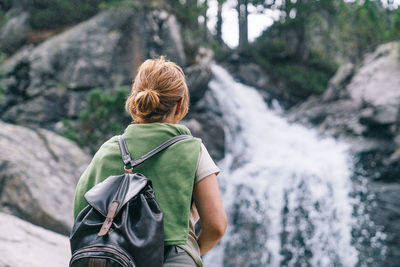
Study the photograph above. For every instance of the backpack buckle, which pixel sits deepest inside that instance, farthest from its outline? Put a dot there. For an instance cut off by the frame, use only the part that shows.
(127, 170)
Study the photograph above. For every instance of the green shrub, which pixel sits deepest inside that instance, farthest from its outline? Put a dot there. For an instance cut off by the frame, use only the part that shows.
(276, 52)
(221, 51)
(104, 118)
(302, 78)
(53, 14)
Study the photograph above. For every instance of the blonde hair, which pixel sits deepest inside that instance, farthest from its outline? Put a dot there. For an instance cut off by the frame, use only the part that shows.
(159, 85)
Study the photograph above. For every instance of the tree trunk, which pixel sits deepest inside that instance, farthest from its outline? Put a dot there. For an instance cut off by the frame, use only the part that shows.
(303, 51)
(219, 22)
(242, 18)
(205, 20)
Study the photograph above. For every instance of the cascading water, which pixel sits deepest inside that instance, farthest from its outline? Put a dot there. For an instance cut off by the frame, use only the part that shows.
(287, 192)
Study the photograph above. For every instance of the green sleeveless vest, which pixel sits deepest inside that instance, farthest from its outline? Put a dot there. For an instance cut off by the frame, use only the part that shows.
(172, 172)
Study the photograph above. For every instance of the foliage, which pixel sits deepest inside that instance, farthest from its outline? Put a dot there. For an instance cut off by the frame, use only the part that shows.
(297, 17)
(221, 51)
(192, 16)
(361, 27)
(285, 51)
(113, 3)
(53, 14)
(302, 48)
(186, 13)
(104, 117)
(394, 32)
(301, 78)
(2, 88)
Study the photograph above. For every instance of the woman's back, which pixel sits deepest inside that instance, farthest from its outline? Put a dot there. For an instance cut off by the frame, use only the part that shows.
(172, 172)
(158, 101)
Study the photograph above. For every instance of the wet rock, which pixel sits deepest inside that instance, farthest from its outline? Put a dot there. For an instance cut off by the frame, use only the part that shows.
(38, 174)
(387, 214)
(338, 83)
(376, 84)
(252, 74)
(204, 121)
(199, 75)
(25, 244)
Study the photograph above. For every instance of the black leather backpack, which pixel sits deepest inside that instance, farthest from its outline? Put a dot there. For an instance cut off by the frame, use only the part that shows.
(123, 223)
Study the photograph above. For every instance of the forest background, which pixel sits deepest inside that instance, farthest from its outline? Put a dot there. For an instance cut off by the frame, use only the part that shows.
(308, 41)
(333, 66)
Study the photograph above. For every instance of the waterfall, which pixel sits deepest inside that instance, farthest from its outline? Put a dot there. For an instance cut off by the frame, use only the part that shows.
(288, 193)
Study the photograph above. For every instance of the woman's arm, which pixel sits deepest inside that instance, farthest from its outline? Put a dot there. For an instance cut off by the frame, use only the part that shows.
(212, 214)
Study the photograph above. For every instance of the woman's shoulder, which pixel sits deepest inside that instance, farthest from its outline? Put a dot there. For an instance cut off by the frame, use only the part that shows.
(108, 148)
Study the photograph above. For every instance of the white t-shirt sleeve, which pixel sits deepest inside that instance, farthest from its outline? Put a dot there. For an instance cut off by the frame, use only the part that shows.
(205, 165)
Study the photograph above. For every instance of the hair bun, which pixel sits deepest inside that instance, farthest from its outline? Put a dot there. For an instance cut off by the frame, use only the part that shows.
(147, 101)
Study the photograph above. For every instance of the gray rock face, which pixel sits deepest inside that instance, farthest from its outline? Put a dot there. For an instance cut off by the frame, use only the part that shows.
(205, 122)
(38, 174)
(25, 244)
(198, 75)
(102, 52)
(336, 87)
(253, 75)
(360, 101)
(387, 214)
(14, 32)
(169, 33)
(377, 84)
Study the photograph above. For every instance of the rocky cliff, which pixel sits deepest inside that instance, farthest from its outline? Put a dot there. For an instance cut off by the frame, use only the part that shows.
(38, 174)
(48, 82)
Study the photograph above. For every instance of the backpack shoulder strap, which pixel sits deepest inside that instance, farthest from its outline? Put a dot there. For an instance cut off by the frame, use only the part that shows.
(126, 157)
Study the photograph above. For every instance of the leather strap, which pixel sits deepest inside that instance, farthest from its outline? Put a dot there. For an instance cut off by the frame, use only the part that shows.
(112, 210)
(126, 157)
(95, 262)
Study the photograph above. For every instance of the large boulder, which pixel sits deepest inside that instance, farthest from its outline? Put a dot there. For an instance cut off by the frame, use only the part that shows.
(102, 52)
(25, 244)
(198, 75)
(376, 84)
(205, 122)
(38, 174)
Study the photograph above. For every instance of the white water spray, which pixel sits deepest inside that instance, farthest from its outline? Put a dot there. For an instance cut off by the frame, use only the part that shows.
(286, 191)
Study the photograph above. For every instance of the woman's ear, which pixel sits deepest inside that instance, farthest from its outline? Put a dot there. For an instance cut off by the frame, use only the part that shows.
(179, 106)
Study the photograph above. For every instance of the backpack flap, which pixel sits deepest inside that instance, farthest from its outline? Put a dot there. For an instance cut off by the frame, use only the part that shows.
(120, 188)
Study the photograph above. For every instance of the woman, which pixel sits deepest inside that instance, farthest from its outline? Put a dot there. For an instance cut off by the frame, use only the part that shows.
(183, 176)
